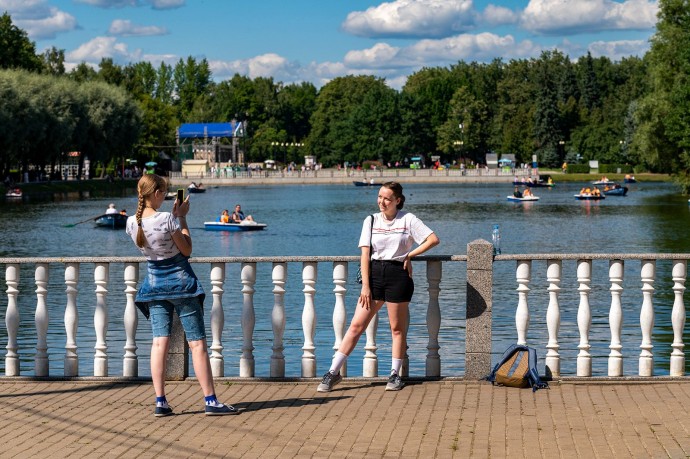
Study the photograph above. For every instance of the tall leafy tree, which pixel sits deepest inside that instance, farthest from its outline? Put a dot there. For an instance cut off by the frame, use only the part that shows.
(53, 60)
(16, 50)
(662, 137)
(192, 79)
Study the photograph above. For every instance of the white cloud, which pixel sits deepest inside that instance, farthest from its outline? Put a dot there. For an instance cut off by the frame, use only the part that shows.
(166, 4)
(94, 50)
(498, 15)
(586, 16)
(38, 18)
(480, 47)
(125, 28)
(381, 53)
(109, 3)
(412, 18)
(617, 50)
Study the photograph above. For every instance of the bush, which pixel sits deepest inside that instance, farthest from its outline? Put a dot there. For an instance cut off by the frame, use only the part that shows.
(578, 168)
(613, 168)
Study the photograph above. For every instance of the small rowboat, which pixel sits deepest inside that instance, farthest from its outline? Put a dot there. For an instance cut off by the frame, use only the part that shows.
(522, 199)
(589, 197)
(604, 182)
(245, 226)
(616, 191)
(113, 221)
(14, 193)
(358, 183)
(195, 189)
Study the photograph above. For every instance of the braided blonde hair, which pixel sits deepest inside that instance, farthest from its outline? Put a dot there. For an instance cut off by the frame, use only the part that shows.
(148, 184)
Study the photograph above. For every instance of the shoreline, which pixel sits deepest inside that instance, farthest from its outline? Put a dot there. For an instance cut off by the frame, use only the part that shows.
(323, 177)
(328, 180)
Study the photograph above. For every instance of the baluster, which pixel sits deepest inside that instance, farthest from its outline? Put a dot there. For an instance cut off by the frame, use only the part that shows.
(678, 318)
(433, 319)
(524, 268)
(130, 361)
(309, 320)
(71, 320)
(616, 317)
(584, 317)
(248, 276)
(279, 276)
(12, 320)
(553, 319)
(647, 318)
(100, 319)
(218, 320)
(340, 269)
(41, 320)
(371, 361)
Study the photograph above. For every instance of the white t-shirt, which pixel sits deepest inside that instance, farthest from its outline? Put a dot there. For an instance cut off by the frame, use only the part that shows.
(393, 240)
(158, 229)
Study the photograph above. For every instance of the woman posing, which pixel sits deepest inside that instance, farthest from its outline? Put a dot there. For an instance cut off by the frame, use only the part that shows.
(386, 261)
(170, 284)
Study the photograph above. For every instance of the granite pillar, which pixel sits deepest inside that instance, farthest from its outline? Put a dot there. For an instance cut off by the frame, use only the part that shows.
(478, 309)
(177, 368)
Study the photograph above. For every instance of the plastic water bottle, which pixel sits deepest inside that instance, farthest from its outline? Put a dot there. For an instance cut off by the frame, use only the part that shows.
(496, 239)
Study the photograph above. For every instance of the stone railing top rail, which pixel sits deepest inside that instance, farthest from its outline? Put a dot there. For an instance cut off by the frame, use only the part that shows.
(354, 258)
(276, 259)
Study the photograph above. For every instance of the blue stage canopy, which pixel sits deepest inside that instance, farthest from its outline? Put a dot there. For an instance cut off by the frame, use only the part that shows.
(201, 130)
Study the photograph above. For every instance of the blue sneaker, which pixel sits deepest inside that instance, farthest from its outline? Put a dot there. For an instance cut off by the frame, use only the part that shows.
(220, 410)
(162, 411)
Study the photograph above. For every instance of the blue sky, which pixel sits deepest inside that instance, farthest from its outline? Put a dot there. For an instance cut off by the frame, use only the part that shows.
(316, 41)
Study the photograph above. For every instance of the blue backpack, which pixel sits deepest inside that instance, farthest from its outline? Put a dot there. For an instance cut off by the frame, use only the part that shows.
(517, 368)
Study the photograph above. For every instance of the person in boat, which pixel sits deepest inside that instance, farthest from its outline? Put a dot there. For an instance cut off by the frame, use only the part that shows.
(596, 192)
(527, 193)
(239, 217)
(387, 243)
(225, 216)
(123, 212)
(171, 285)
(111, 209)
(550, 181)
(517, 193)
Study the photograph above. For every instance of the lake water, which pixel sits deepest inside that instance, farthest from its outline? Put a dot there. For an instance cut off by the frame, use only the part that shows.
(326, 220)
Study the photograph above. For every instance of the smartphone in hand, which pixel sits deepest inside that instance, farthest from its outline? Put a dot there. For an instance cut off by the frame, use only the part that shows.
(180, 195)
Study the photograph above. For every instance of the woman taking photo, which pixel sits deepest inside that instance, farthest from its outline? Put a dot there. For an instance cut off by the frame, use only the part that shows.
(386, 263)
(170, 284)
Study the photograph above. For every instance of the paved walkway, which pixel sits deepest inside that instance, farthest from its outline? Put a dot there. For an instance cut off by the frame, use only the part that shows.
(359, 419)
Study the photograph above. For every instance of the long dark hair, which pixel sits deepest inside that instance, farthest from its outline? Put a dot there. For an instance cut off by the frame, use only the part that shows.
(397, 190)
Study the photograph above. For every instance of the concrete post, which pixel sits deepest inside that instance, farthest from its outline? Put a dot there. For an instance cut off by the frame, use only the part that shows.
(177, 368)
(478, 309)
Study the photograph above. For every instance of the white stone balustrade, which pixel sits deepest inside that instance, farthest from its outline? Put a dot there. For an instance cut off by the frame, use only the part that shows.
(532, 285)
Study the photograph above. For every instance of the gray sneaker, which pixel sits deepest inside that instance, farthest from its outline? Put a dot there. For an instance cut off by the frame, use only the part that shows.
(328, 382)
(394, 382)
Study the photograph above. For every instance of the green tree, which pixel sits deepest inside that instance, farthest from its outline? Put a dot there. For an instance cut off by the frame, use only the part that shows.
(53, 61)
(352, 114)
(16, 50)
(192, 79)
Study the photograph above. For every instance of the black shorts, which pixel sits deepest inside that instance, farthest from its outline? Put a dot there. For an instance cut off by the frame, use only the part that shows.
(390, 282)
